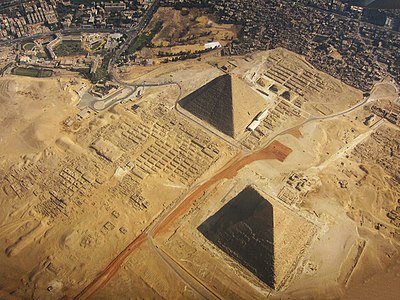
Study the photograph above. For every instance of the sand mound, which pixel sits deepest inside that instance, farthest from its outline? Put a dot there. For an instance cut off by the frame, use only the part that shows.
(107, 149)
(66, 144)
(32, 111)
(25, 240)
(39, 135)
(6, 295)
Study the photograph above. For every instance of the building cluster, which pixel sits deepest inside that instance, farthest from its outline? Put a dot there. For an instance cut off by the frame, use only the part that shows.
(392, 114)
(24, 18)
(295, 188)
(356, 45)
(30, 18)
(105, 14)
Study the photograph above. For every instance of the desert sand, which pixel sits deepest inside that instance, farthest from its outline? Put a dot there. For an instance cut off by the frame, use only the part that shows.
(109, 205)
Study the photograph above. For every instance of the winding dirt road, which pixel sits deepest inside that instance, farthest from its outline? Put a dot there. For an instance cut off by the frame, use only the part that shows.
(275, 150)
(272, 150)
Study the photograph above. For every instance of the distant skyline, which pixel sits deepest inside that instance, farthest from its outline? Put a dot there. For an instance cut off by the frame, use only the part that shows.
(384, 4)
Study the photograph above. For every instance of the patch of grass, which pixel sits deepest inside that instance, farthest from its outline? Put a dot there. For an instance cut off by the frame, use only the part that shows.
(41, 54)
(28, 46)
(69, 48)
(145, 38)
(32, 72)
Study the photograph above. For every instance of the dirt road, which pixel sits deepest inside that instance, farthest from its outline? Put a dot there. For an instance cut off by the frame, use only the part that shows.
(105, 276)
(275, 150)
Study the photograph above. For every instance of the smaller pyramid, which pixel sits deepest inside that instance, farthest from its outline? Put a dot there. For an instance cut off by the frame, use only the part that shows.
(226, 103)
(244, 229)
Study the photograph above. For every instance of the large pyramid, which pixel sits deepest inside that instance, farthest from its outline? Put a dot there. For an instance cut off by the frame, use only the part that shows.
(263, 236)
(244, 229)
(227, 103)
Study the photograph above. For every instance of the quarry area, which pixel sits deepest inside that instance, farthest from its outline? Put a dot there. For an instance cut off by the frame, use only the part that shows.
(240, 177)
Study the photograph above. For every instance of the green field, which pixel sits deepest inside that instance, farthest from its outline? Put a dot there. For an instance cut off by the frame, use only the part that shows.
(32, 72)
(28, 46)
(42, 54)
(69, 48)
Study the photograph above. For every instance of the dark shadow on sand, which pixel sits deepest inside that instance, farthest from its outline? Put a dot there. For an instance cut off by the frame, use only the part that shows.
(243, 228)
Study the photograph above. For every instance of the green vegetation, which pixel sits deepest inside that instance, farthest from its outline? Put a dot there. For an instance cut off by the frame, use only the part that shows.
(42, 54)
(69, 48)
(145, 38)
(101, 72)
(28, 46)
(32, 72)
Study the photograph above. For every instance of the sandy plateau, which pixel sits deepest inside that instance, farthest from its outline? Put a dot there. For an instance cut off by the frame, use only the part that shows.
(110, 206)
(32, 110)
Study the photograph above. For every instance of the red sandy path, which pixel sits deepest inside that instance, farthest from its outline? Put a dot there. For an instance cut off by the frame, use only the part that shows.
(105, 276)
(275, 150)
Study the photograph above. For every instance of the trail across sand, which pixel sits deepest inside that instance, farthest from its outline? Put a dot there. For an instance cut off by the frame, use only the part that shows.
(275, 150)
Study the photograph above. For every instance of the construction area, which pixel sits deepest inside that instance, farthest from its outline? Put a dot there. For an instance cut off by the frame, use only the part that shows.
(231, 177)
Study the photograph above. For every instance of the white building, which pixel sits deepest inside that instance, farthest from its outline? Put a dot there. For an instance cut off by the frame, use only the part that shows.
(254, 125)
(212, 45)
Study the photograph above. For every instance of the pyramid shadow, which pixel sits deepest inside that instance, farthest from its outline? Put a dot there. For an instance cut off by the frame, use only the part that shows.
(244, 229)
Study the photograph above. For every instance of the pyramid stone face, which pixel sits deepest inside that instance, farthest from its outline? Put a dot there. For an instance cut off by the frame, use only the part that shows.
(226, 103)
(247, 103)
(263, 236)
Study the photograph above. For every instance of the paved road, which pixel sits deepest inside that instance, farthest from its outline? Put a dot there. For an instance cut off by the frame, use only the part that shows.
(94, 103)
(63, 32)
(169, 216)
(133, 33)
(98, 105)
(172, 214)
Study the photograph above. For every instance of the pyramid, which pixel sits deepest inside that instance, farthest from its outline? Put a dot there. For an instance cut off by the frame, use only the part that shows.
(227, 103)
(266, 239)
(244, 229)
